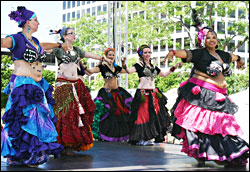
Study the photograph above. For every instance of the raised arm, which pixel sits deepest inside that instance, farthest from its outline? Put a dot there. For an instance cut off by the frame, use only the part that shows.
(125, 68)
(239, 61)
(6, 42)
(49, 46)
(96, 57)
(177, 53)
(172, 69)
(92, 70)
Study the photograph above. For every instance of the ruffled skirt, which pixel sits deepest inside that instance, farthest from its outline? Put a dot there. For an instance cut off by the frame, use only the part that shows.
(74, 110)
(203, 118)
(112, 114)
(29, 135)
(149, 118)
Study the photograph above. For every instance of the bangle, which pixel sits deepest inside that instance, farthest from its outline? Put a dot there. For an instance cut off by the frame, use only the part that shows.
(239, 58)
(60, 45)
(174, 52)
(172, 69)
(102, 59)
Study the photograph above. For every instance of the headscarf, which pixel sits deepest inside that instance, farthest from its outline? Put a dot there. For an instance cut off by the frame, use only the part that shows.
(21, 15)
(107, 50)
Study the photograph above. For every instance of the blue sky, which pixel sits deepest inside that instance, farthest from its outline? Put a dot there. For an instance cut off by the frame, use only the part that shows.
(48, 14)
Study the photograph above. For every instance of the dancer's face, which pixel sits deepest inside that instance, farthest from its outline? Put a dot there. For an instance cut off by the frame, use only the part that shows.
(111, 55)
(146, 54)
(33, 24)
(70, 35)
(211, 40)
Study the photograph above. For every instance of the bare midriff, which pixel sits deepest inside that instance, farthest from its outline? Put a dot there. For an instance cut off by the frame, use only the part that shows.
(33, 70)
(146, 83)
(68, 71)
(111, 83)
(218, 80)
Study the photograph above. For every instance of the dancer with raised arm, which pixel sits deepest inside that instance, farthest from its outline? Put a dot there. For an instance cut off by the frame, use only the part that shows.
(203, 112)
(29, 135)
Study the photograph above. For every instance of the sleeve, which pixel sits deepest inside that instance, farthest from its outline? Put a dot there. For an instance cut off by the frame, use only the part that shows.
(227, 58)
(158, 70)
(193, 55)
(137, 66)
(81, 52)
(16, 40)
(119, 68)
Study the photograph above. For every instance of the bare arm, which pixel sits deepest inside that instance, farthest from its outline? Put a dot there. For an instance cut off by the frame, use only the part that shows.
(49, 46)
(165, 74)
(124, 66)
(93, 70)
(177, 53)
(6, 42)
(240, 63)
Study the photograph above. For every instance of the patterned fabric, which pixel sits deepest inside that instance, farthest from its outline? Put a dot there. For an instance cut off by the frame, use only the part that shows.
(74, 110)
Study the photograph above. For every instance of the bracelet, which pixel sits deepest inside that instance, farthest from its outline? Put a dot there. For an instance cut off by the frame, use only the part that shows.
(239, 58)
(173, 51)
(60, 45)
(172, 69)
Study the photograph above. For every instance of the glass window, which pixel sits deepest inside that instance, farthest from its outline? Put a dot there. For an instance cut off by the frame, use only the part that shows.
(78, 3)
(141, 13)
(78, 14)
(99, 21)
(88, 2)
(64, 5)
(232, 14)
(105, 7)
(73, 4)
(83, 12)
(221, 27)
(93, 11)
(163, 15)
(93, 1)
(231, 45)
(104, 20)
(230, 29)
(242, 47)
(64, 18)
(155, 47)
(162, 65)
(186, 43)
(178, 28)
(178, 43)
(73, 14)
(83, 2)
(69, 3)
(68, 17)
(171, 44)
(241, 14)
(99, 8)
(221, 11)
(88, 11)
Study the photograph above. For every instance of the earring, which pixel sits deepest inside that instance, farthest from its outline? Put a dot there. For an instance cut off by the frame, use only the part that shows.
(28, 29)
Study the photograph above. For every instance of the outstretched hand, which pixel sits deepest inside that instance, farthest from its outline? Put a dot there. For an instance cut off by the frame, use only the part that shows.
(240, 65)
(109, 61)
(169, 55)
(123, 61)
(179, 64)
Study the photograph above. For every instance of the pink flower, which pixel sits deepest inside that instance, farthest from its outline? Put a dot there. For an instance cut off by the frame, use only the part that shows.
(196, 90)
(220, 97)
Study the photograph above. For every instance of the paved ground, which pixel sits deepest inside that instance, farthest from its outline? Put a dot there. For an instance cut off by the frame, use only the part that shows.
(111, 156)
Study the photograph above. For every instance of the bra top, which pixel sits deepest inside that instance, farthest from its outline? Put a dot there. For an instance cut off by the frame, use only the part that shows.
(22, 49)
(144, 71)
(107, 73)
(68, 57)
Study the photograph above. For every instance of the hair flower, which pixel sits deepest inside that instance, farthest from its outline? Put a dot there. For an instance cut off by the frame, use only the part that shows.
(196, 90)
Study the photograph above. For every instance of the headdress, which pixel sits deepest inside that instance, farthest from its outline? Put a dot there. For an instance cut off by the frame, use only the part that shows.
(62, 32)
(21, 15)
(202, 29)
(107, 50)
(140, 49)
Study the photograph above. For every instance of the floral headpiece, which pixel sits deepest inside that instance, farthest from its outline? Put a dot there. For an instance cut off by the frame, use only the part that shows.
(21, 15)
(203, 29)
(201, 36)
(107, 50)
(62, 32)
(140, 49)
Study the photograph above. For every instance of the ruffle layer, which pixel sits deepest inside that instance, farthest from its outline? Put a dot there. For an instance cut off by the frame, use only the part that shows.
(73, 126)
(206, 98)
(157, 125)
(18, 143)
(229, 149)
(112, 114)
(196, 119)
